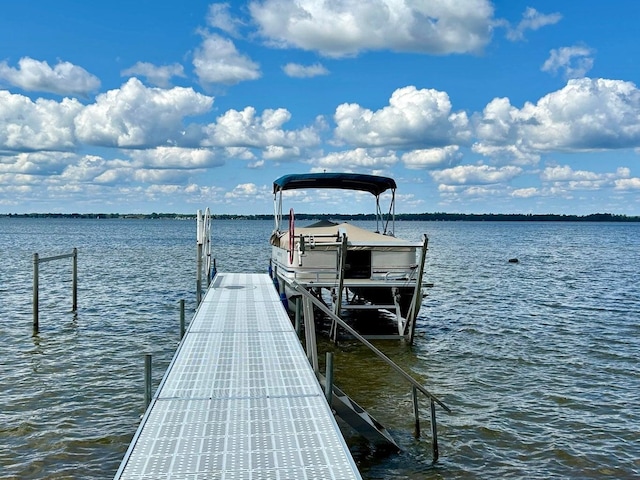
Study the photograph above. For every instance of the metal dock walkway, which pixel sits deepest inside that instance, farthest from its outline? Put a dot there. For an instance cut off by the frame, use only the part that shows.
(239, 399)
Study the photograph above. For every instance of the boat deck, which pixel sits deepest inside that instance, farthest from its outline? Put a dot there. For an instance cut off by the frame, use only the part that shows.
(239, 399)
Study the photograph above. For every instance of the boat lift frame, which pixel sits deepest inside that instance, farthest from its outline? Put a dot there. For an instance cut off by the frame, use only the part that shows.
(339, 298)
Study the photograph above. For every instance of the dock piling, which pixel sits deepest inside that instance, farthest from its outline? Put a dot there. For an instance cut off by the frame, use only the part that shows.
(416, 412)
(434, 432)
(74, 287)
(36, 294)
(298, 314)
(147, 380)
(329, 378)
(310, 334)
(182, 328)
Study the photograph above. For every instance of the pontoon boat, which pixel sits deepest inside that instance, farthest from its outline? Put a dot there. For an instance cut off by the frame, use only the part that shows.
(356, 268)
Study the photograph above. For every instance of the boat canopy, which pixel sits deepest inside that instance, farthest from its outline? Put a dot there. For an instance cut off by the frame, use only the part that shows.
(346, 181)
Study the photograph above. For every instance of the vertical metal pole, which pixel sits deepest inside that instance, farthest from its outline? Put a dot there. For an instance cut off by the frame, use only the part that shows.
(181, 319)
(417, 293)
(199, 234)
(199, 275)
(416, 413)
(298, 314)
(147, 380)
(434, 432)
(328, 387)
(342, 259)
(310, 334)
(307, 331)
(214, 273)
(75, 280)
(36, 323)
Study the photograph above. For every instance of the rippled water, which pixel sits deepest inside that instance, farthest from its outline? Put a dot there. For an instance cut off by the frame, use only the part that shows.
(538, 360)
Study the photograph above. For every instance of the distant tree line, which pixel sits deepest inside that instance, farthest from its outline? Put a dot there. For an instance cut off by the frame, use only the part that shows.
(438, 216)
(102, 215)
(517, 217)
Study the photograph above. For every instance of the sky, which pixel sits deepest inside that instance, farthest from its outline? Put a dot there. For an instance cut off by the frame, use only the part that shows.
(473, 106)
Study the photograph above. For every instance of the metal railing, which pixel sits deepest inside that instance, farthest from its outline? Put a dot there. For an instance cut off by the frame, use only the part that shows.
(36, 284)
(309, 300)
(203, 254)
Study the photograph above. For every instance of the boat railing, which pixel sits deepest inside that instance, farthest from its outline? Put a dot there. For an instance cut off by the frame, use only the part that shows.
(310, 300)
(310, 239)
(330, 273)
(393, 275)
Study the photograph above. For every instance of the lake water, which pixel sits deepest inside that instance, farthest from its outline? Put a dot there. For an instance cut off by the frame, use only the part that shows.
(538, 360)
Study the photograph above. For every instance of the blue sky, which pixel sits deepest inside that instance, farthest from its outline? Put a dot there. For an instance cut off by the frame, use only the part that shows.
(472, 106)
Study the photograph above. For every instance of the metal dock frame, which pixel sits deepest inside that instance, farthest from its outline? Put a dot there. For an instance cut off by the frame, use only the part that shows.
(239, 399)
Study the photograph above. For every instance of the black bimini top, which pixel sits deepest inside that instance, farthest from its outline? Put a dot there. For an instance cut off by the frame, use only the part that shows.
(345, 181)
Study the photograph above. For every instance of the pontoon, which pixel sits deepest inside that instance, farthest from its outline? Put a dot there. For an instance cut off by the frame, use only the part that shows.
(356, 268)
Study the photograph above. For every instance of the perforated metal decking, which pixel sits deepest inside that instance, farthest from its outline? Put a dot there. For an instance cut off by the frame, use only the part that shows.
(239, 400)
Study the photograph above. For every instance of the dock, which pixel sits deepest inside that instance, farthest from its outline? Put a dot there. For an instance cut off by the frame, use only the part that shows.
(239, 399)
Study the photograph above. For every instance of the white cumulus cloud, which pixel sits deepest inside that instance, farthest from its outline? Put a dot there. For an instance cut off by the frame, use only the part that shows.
(217, 61)
(573, 62)
(532, 20)
(420, 118)
(248, 192)
(304, 71)
(475, 175)
(628, 184)
(157, 75)
(220, 17)
(586, 115)
(36, 125)
(139, 116)
(357, 158)
(566, 178)
(431, 158)
(175, 158)
(64, 78)
(246, 128)
(36, 163)
(346, 27)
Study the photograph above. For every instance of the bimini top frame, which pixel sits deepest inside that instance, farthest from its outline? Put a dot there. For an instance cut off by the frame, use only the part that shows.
(373, 184)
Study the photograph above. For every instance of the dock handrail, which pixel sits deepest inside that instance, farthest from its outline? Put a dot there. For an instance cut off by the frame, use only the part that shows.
(303, 291)
(416, 386)
(203, 241)
(37, 260)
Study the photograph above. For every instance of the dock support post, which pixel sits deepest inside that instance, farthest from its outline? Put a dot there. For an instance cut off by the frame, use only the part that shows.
(199, 234)
(310, 334)
(182, 319)
(416, 412)
(328, 387)
(434, 432)
(147, 380)
(74, 307)
(417, 294)
(199, 276)
(36, 287)
(298, 314)
(337, 306)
